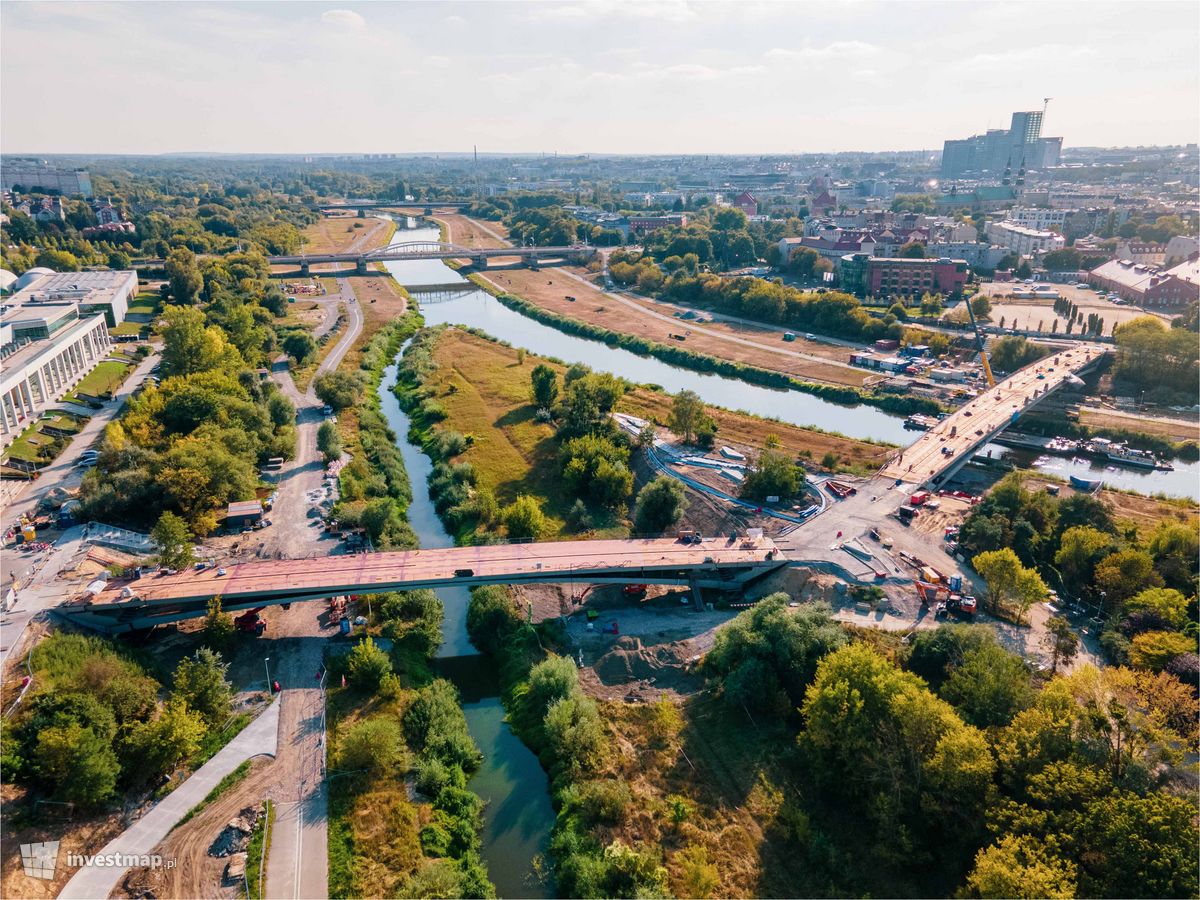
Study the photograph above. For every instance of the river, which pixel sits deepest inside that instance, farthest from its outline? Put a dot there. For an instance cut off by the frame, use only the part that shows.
(518, 816)
(481, 310)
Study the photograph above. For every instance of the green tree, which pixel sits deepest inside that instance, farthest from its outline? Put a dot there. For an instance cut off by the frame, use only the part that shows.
(1080, 549)
(1008, 581)
(81, 766)
(575, 733)
(492, 618)
(550, 680)
(1175, 547)
(118, 259)
(597, 468)
(173, 541)
(281, 410)
(1062, 642)
(660, 504)
(981, 306)
(989, 687)
(912, 250)
(189, 345)
(165, 742)
(300, 346)
(1123, 574)
(218, 627)
(687, 414)
(1154, 649)
(544, 382)
(374, 745)
(1134, 846)
(524, 519)
(201, 682)
(434, 723)
(1166, 603)
(368, 664)
(339, 390)
(1021, 867)
(772, 474)
(183, 275)
(329, 442)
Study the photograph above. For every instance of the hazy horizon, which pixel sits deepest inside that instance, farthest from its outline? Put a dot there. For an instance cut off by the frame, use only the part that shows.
(594, 77)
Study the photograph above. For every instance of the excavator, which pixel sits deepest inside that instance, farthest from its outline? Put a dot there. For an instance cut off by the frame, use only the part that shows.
(958, 605)
(979, 343)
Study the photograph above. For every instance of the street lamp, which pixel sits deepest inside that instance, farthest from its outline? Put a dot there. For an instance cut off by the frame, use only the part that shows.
(266, 660)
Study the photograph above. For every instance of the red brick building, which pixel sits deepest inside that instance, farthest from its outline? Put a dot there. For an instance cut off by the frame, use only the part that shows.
(895, 277)
(746, 202)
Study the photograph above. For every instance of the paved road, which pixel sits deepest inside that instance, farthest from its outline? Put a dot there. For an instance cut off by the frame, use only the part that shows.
(399, 569)
(62, 472)
(260, 737)
(293, 533)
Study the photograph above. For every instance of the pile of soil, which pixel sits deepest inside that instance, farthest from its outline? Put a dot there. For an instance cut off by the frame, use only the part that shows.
(660, 667)
(235, 837)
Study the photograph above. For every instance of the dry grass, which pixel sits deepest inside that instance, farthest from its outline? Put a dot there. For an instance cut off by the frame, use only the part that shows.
(338, 234)
(1175, 429)
(730, 770)
(1145, 513)
(485, 393)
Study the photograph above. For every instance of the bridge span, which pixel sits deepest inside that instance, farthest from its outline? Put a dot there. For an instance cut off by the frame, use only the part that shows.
(950, 444)
(157, 599)
(477, 256)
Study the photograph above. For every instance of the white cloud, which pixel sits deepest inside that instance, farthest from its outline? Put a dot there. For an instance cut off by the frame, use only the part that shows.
(1043, 54)
(673, 11)
(438, 62)
(344, 18)
(829, 51)
(456, 21)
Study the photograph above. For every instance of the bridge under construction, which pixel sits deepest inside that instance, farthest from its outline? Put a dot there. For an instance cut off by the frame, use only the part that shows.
(128, 605)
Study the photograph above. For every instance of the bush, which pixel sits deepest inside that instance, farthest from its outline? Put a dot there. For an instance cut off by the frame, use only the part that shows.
(368, 665)
(200, 681)
(374, 745)
(434, 724)
(575, 733)
(523, 518)
(329, 442)
(340, 390)
(600, 802)
(660, 504)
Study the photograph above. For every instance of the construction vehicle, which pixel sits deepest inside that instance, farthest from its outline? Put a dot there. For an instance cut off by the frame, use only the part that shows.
(250, 622)
(337, 609)
(983, 358)
(958, 605)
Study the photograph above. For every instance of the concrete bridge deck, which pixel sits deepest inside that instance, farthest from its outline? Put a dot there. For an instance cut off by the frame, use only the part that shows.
(939, 452)
(159, 599)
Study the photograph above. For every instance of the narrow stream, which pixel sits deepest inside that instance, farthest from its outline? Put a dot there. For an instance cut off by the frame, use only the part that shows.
(518, 816)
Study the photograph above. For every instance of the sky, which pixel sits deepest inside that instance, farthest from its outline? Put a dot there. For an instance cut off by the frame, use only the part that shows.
(598, 76)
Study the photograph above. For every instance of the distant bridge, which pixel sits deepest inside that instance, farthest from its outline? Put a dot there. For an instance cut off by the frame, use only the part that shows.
(476, 256)
(158, 599)
(426, 206)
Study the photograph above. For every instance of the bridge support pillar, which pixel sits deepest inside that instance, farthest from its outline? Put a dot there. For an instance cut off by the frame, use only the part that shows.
(304, 268)
(362, 213)
(479, 262)
(360, 266)
(429, 210)
(532, 262)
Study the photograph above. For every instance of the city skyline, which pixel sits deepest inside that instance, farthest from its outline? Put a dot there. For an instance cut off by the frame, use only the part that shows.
(589, 77)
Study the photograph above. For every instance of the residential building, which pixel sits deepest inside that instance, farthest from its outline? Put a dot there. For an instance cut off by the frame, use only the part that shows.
(868, 275)
(746, 203)
(1024, 241)
(640, 225)
(975, 253)
(1180, 248)
(43, 209)
(1148, 285)
(991, 153)
(29, 175)
(1038, 218)
(1142, 251)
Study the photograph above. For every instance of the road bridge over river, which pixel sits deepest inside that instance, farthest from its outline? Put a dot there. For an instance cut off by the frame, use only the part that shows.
(412, 250)
(950, 444)
(158, 599)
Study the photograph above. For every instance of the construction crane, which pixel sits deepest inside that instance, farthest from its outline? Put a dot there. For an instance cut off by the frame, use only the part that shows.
(987, 366)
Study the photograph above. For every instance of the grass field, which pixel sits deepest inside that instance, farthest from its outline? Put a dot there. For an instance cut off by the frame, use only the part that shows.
(145, 304)
(107, 376)
(127, 327)
(485, 393)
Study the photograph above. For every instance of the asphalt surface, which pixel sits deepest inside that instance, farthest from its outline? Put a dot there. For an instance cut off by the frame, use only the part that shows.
(260, 737)
(990, 412)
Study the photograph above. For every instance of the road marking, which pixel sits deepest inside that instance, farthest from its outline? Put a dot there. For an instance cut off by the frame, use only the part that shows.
(299, 847)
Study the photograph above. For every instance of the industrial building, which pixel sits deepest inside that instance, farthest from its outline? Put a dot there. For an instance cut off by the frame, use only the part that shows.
(28, 175)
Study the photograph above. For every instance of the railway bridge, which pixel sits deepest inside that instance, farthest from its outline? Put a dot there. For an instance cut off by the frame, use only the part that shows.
(155, 599)
(477, 256)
